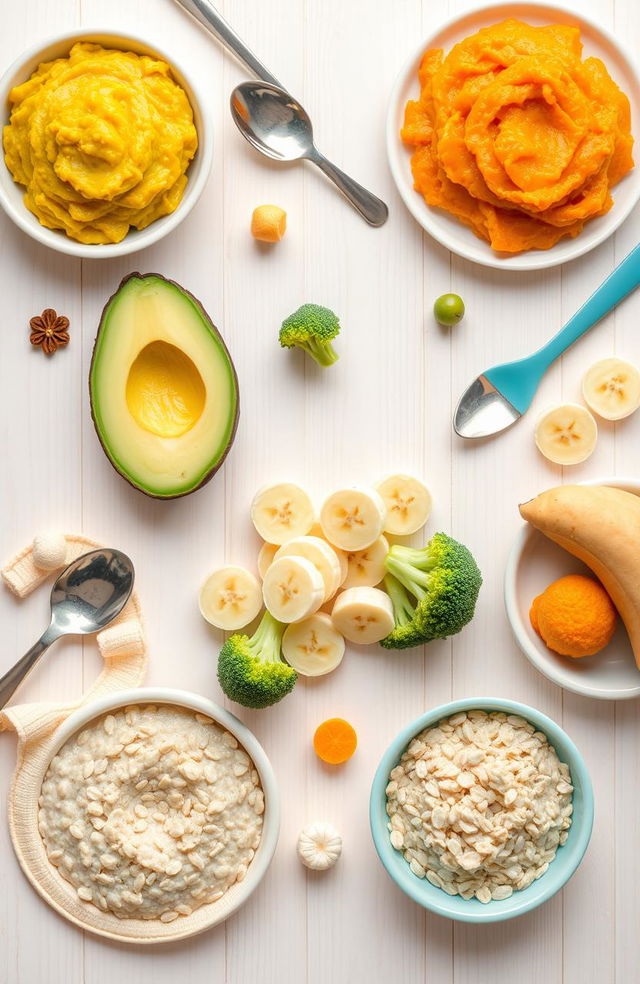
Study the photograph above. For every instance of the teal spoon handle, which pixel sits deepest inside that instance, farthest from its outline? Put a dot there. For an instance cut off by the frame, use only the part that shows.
(518, 381)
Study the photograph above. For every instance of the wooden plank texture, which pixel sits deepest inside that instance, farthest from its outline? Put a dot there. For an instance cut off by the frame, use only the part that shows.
(385, 406)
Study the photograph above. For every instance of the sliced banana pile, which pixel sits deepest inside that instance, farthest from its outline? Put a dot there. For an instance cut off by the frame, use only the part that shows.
(330, 561)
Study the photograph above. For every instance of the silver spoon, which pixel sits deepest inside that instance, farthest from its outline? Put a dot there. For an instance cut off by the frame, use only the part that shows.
(301, 145)
(276, 125)
(87, 596)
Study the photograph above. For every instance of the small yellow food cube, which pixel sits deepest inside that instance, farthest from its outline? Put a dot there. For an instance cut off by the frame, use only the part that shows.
(268, 223)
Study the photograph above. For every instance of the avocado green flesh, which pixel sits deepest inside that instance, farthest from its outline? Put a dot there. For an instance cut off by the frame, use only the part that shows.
(163, 388)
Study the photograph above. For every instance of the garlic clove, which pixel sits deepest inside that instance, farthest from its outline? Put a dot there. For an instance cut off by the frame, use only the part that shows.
(319, 846)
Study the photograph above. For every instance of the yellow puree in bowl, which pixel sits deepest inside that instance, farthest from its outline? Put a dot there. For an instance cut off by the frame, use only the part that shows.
(101, 141)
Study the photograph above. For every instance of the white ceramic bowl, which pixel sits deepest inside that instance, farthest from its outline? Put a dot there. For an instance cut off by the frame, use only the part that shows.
(444, 227)
(11, 194)
(206, 916)
(534, 562)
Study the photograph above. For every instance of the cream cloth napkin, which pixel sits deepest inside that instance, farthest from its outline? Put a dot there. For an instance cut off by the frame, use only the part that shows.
(124, 652)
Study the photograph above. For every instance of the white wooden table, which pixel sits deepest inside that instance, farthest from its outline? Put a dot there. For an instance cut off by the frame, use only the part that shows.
(385, 406)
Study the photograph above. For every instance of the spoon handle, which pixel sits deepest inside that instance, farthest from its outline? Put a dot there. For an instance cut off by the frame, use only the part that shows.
(619, 283)
(10, 682)
(207, 15)
(371, 208)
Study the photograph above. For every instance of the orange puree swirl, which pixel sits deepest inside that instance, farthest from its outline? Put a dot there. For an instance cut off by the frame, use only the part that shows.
(517, 136)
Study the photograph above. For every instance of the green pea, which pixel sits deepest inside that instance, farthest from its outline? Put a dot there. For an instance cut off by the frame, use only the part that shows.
(448, 310)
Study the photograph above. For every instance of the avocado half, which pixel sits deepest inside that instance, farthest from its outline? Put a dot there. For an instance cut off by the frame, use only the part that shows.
(163, 388)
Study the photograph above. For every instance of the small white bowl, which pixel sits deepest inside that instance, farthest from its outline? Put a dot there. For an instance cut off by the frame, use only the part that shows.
(534, 562)
(206, 916)
(11, 194)
(446, 229)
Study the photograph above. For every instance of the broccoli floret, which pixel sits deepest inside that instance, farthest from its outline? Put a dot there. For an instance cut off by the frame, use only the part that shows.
(251, 670)
(311, 328)
(433, 591)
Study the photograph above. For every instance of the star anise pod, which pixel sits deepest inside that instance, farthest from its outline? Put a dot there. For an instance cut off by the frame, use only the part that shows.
(49, 330)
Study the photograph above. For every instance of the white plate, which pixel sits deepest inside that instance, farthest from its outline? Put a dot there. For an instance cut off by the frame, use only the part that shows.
(444, 227)
(534, 562)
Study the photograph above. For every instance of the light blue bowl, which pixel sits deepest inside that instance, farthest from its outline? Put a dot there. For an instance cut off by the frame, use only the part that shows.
(560, 870)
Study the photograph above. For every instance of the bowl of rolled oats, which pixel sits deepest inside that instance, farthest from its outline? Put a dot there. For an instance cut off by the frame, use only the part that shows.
(481, 809)
(158, 816)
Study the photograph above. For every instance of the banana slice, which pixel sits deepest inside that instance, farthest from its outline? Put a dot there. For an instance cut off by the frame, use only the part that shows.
(321, 556)
(353, 519)
(313, 647)
(280, 512)
(316, 530)
(265, 557)
(230, 598)
(292, 589)
(611, 388)
(408, 504)
(363, 615)
(366, 567)
(566, 434)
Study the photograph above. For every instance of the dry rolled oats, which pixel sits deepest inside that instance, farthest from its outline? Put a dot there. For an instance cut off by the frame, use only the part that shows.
(494, 822)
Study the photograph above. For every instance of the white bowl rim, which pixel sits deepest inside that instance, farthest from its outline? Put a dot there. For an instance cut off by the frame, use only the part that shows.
(138, 239)
(192, 701)
(530, 260)
(518, 625)
(494, 911)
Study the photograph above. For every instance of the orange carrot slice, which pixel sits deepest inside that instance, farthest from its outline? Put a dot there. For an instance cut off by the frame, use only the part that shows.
(335, 741)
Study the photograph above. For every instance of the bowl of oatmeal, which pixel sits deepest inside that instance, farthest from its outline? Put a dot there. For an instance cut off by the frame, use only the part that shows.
(481, 809)
(158, 816)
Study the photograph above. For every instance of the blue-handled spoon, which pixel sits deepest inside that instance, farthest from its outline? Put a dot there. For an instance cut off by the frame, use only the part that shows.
(500, 396)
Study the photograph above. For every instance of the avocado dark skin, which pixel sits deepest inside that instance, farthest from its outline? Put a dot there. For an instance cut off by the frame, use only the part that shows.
(210, 474)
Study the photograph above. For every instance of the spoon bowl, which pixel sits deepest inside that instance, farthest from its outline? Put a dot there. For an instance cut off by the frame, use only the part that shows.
(276, 125)
(91, 592)
(86, 597)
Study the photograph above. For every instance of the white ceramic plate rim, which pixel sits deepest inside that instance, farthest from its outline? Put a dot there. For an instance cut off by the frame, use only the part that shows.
(557, 674)
(435, 222)
(271, 818)
(198, 170)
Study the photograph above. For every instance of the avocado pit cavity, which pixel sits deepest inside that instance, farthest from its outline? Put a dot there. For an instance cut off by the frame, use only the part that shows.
(165, 392)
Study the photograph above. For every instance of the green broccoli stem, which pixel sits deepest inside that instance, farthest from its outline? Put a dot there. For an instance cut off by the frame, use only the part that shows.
(266, 641)
(403, 610)
(322, 351)
(411, 577)
(422, 558)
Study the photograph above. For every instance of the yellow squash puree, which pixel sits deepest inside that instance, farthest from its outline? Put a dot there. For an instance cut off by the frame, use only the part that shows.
(517, 136)
(101, 140)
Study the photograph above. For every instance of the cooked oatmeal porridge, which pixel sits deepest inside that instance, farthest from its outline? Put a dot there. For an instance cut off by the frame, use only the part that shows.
(151, 811)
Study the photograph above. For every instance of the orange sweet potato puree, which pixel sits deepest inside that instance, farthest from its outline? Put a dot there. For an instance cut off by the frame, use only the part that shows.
(517, 136)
